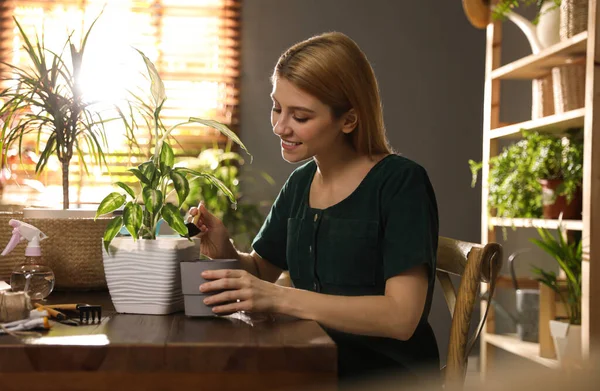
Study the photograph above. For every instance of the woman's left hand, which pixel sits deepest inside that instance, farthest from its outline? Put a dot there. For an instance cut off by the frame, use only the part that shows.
(254, 294)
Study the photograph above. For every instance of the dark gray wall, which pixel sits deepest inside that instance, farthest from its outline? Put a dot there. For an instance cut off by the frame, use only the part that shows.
(430, 66)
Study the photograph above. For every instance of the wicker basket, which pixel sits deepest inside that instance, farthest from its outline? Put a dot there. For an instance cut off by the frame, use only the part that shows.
(569, 80)
(73, 251)
(542, 97)
(573, 17)
(569, 87)
(9, 261)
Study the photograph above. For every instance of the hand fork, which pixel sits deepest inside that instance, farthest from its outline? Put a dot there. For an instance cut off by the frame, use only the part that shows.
(85, 310)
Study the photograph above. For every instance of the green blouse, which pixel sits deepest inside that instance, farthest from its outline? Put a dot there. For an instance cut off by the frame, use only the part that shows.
(387, 226)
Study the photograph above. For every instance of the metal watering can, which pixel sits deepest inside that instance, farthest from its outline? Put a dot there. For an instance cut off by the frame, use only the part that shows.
(527, 305)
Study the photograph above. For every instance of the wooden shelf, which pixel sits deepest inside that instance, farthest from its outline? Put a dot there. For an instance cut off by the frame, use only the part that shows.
(504, 281)
(557, 123)
(539, 65)
(529, 350)
(572, 225)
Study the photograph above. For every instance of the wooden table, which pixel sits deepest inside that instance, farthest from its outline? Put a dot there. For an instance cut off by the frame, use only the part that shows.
(153, 352)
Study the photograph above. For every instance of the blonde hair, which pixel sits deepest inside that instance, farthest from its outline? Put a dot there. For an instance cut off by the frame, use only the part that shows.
(332, 68)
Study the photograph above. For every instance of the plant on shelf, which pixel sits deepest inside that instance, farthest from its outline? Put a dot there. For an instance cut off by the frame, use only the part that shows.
(44, 103)
(514, 178)
(503, 7)
(568, 255)
(242, 221)
(158, 177)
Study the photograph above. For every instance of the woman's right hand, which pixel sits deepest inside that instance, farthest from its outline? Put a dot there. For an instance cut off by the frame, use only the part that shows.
(214, 242)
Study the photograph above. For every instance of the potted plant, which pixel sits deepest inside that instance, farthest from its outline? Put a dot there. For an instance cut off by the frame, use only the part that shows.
(503, 7)
(558, 163)
(44, 105)
(565, 332)
(142, 270)
(539, 176)
(243, 220)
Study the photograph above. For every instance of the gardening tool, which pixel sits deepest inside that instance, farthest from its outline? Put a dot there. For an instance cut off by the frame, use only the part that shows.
(32, 275)
(193, 229)
(528, 304)
(85, 310)
(36, 320)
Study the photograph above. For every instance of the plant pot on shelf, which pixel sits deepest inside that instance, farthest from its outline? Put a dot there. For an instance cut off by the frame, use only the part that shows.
(554, 205)
(143, 276)
(567, 342)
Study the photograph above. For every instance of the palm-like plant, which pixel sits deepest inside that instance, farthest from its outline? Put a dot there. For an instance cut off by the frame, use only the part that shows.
(46, 104)
(569, 257)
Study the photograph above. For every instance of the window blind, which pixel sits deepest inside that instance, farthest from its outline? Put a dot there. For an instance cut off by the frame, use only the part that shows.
(195, 46)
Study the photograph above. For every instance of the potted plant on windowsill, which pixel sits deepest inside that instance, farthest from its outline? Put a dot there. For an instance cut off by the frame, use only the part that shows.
(565, 332)
(520, 175)
(44, 104)
(142, 270)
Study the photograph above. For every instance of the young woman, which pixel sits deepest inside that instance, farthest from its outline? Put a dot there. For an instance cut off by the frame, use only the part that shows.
(355, 225)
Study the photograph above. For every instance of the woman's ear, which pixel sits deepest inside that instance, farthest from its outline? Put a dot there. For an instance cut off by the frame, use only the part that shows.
(350, 121)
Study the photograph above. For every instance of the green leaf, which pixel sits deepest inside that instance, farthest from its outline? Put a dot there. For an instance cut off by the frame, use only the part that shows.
(140, 175)
(152, 199)
(181, 185)
(172, 216)
(110, 203)
(49, 149)
(157, 86)
(128, 189)
(166, 155)
(132, 218)
(212, 179)
(224, 130)
(150, 172)
(112, 230)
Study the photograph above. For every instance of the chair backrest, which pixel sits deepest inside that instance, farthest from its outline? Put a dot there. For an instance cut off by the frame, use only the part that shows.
(475, 264)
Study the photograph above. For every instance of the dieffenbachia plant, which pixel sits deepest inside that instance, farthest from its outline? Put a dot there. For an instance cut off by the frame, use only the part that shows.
(158, 177)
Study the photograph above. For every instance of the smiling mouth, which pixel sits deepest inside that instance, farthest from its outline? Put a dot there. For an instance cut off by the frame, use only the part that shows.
(289, 143)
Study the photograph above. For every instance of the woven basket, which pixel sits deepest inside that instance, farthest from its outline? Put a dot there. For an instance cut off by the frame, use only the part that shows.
(9, 261)
(73, 250)
(542, 97)
(569, 87)
(573, 17)
(569, 80)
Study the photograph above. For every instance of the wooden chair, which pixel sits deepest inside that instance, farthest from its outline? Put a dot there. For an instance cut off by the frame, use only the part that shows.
(475, 264)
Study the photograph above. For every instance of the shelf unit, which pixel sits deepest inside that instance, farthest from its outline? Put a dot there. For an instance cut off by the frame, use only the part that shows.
(584, 47)
(570, 225)
(529, 350)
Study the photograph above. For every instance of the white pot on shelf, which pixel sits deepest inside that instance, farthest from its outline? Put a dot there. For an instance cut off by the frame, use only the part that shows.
(567, 342)
(143, 276)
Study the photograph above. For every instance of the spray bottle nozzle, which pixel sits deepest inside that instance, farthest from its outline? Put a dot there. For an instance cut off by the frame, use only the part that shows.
(25, 231)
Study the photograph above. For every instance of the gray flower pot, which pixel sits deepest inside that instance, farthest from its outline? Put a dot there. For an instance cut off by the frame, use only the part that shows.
(191, 279)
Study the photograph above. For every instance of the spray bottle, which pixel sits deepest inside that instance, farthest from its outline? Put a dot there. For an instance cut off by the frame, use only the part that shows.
(32, 276)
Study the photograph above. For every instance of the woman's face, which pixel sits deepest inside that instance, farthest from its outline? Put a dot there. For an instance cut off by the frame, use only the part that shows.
(304, 124)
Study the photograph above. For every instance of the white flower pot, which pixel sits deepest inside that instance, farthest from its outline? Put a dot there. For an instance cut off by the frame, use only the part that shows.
(143, 276)
(567, 342)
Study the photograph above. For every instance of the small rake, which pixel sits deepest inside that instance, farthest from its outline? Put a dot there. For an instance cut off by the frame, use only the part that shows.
(86, 311)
